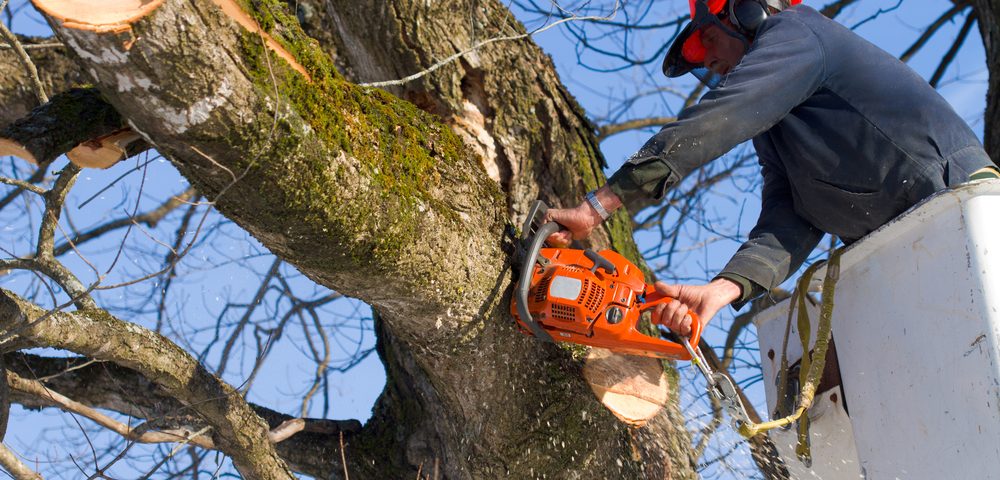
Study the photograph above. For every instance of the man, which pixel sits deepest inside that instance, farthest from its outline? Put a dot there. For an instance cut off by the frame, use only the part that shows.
(847, 136)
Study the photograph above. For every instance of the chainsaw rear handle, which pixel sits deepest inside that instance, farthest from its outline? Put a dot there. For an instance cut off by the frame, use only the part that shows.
(654, 298)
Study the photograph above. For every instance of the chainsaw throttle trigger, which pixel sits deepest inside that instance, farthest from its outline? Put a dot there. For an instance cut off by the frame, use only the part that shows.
(599, 262)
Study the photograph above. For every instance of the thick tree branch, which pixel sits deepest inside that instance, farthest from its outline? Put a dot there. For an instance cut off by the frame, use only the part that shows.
(988, 15)
(54, 128)
(307, 444)
(236, 429)
(15, 467)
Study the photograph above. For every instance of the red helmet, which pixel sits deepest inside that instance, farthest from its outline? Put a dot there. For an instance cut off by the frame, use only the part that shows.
(687, 52)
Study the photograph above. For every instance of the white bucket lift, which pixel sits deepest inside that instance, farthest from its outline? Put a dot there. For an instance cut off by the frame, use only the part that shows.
(916, 324)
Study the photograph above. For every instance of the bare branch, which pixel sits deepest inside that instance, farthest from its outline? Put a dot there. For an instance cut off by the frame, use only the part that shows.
(834, 9)
(139, 434)
(240, 433)
(606, 131)
(932, 29)
(15, 467)
(150, 218)
(952, 52)
(23, 185)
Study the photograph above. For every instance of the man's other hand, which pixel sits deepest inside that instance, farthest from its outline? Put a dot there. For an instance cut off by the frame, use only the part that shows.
(703, 300)
(576, 223)
(579, 221)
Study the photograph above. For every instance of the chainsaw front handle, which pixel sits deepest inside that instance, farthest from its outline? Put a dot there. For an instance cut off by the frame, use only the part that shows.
(524, 281)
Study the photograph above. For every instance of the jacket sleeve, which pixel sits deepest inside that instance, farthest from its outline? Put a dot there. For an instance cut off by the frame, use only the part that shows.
(780, 242)
(784, 66)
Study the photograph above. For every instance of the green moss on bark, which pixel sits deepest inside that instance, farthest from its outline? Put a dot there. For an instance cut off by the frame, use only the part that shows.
(405, 156)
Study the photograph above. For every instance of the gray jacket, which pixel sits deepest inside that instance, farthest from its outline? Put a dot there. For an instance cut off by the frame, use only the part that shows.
(848, 137)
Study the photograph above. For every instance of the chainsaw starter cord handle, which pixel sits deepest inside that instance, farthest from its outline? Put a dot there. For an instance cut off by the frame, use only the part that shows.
(524, 282)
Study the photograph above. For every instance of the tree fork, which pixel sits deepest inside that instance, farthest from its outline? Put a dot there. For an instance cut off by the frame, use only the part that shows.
(376, 199)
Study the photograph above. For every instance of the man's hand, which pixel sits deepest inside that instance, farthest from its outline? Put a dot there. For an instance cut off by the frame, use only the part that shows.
(704, 300)
(579, 221)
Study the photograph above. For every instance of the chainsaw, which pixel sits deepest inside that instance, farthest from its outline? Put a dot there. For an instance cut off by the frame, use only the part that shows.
(587, 297)
(599, 299)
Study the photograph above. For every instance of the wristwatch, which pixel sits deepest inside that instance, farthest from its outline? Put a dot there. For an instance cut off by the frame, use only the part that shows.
(594, 202)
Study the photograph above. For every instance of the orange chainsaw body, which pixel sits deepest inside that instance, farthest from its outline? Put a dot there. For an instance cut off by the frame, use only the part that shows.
(574, 300)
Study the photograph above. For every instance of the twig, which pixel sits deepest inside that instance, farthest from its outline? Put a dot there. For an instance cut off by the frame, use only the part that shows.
(477, 46)
(34, 46)
(931, 30)
(150, 218)
(606, 131)
(23, 185)
(877, 14)
(343, 457)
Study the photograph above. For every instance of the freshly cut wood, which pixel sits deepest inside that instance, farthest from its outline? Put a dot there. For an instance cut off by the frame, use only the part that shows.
(633, 388)
(102, 16)
(14, 148)
(105, 151)
(67, 120)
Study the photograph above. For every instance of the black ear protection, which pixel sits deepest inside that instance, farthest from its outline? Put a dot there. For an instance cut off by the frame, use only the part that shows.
(748, 15)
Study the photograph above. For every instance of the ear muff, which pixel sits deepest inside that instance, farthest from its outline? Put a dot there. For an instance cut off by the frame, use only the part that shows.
(747, 15)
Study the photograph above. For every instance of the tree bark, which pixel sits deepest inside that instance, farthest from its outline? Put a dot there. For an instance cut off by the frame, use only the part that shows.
(57, 70)
(379, 200)
(987, 12)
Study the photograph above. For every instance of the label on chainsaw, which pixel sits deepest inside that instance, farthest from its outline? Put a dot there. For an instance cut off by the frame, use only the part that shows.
(565, 287)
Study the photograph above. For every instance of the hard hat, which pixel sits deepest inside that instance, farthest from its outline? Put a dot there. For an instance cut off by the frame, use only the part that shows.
(687, 53)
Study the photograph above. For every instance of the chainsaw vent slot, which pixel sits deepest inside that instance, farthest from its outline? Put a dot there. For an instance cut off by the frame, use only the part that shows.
(594, 294)
(541, 288)
(565, 313)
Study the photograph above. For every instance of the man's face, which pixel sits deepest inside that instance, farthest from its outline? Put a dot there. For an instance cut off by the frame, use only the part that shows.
(722, 51)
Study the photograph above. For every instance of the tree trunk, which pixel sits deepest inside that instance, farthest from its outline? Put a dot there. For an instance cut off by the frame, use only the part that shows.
(987, 12)
(380, 200)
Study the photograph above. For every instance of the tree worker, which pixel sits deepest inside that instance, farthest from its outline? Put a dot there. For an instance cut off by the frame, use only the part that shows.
(847, 136)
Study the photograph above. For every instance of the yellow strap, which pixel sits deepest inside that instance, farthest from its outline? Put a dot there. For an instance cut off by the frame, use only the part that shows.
(812, 366)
